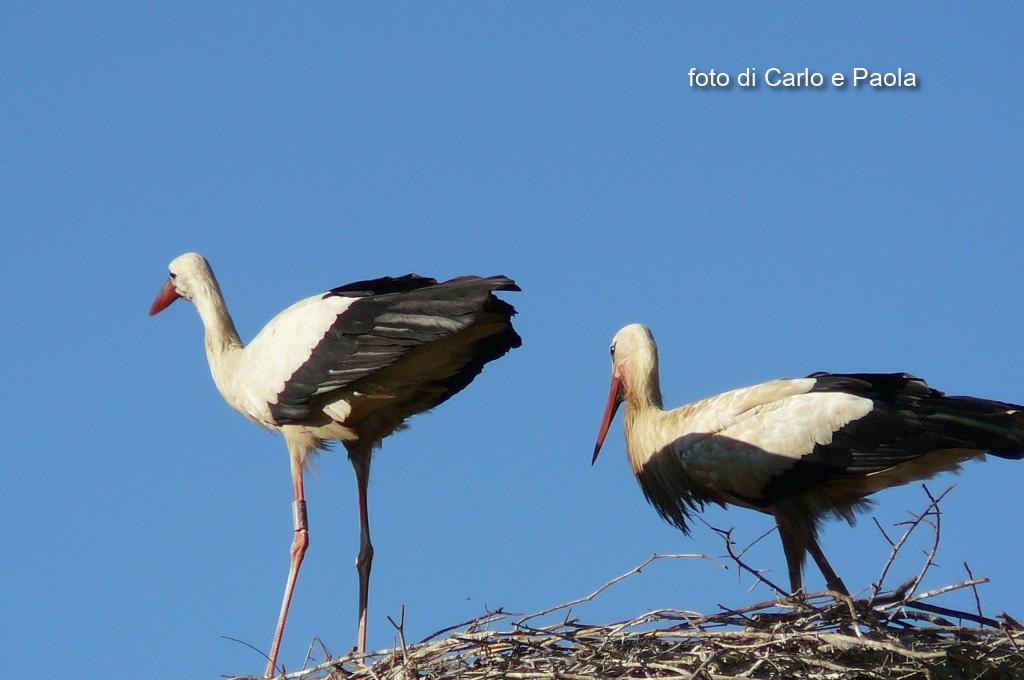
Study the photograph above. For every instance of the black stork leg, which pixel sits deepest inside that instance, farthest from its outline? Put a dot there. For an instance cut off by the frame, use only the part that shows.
(835, 584)
(360, 459)
(798, 538)
(794, 551)
(299, 544)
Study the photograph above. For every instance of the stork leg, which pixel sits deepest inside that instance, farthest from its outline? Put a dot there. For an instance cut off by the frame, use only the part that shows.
(794, 551)
(797, 540)
(299, 544)
(360, 458)
(835, 584)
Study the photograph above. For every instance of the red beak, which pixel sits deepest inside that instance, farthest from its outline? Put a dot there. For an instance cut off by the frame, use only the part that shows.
(164, 298)
(615, 396)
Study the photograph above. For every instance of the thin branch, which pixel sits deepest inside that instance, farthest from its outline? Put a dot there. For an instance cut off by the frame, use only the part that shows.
(400, 627)
(246, 644)
(935, 609)
(727, 539)
(608, 584)
(945, 589)
(913, 524)
(884, 534)
(936, 512)
(309, 650)
(757, 540)
(496, 615)
(974, 588)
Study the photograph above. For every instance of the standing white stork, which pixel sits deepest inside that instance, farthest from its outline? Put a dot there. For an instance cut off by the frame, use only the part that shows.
(349, 365)
(799, 449)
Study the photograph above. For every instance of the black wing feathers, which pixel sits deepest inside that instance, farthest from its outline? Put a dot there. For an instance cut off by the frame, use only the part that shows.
(393, 317)
(909, 419)
(387, 284)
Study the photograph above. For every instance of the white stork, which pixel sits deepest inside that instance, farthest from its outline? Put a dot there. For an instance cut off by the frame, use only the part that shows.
(799, 449)
(348, 365)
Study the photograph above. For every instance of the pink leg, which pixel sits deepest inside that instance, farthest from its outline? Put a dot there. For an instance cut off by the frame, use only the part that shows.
(299, 545)
(360, 459)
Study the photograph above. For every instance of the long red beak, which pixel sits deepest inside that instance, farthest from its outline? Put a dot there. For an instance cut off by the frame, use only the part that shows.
(614, 399)
(164, 298)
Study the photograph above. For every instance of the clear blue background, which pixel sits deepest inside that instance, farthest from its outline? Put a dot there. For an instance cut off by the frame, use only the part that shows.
(759, 233)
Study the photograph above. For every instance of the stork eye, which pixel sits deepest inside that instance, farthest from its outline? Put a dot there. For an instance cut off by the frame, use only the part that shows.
(611, 350)
(173, 276)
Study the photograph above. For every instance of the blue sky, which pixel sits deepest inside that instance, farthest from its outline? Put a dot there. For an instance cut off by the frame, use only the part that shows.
(759, 233)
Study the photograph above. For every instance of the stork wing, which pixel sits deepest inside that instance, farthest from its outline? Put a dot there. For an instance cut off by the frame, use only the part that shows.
(847, 425)
(388, 319)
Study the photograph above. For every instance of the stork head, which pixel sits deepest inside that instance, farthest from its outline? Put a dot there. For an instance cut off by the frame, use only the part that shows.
(188, 273)
(634, 374)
